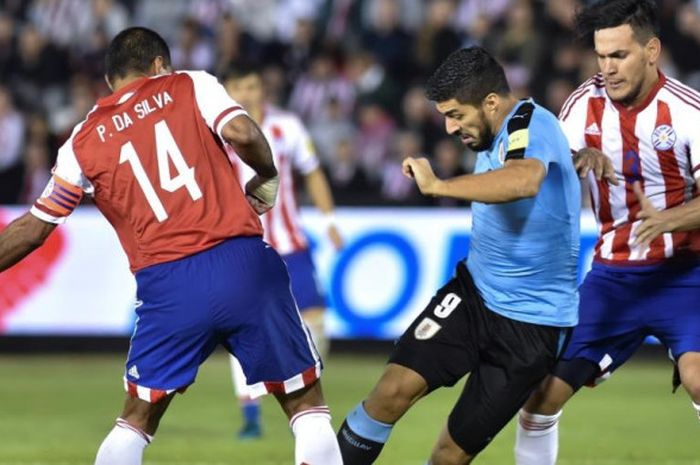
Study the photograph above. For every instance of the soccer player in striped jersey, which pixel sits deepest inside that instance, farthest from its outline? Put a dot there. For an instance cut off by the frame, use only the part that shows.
(293, 151)
(151, 156)
(635, 134)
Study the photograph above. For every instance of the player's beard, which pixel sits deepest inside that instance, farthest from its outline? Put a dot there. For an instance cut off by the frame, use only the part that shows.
(632, 96)
(484, 139)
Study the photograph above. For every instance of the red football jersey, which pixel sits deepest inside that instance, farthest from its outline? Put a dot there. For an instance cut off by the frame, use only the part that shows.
(152, 157)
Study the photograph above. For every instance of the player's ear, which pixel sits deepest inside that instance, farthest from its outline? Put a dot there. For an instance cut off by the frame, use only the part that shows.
(159, 66)
(653, 50)
(109, 84)
(490, 103)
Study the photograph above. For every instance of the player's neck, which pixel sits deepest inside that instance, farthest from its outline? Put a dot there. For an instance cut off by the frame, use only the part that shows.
(120, 83)
(257, 113)
(506, 106)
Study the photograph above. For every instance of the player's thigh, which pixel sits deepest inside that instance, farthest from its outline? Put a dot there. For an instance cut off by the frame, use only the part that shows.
(672, 313)
(260, 324)
(520, 357)
(689, 367)
(447, 452)
(304, 399)
(550, 395)
(442, 343)
(304, 280)
(173, 333)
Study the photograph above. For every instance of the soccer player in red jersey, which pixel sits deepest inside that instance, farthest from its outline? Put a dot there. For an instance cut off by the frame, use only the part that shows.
(152, 157)
(293, 152)
(637, 130)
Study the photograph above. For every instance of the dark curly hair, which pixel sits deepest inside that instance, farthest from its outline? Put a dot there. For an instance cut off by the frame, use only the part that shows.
(641, 15)
(467, 75)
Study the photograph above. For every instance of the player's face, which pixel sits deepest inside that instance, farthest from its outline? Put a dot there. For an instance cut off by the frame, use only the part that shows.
(628, 67)
(246, 90)
(468, 123)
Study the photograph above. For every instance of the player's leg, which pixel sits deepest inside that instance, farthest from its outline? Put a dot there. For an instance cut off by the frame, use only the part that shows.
(367, 427)
(267, 335)
(133, 431)
(608, 333)
(171, 338)
(518, 357)
(307, 293)
(689, 367)
(310, 421)
(675, 320)
(250, 408)
(439, 347)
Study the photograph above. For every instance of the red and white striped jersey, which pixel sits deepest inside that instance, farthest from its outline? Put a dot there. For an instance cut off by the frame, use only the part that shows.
(151, 155)
(292, 150)
(657, 144)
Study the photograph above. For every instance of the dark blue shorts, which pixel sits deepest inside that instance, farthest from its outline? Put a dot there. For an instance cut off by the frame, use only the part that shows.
(305, 286)
(235, 294)
(620, 307)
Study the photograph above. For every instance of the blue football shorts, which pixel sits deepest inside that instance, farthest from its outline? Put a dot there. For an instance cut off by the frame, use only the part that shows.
(236, 294)
(620, 307)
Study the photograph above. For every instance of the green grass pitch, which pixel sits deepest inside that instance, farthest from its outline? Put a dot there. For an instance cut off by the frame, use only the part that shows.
(55, 410)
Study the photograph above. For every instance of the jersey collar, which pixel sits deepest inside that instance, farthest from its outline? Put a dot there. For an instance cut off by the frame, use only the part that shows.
(113, 98)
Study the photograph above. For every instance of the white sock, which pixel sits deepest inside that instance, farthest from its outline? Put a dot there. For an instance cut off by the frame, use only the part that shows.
(123, 445)
(697, 409)
(315, 443)
(537, 439)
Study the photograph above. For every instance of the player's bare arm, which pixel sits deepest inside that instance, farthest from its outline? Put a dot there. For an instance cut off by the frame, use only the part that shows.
(591, 159)
(21, 237)
(250, 144)
(655, 222)
(320, 193)
(518, 179)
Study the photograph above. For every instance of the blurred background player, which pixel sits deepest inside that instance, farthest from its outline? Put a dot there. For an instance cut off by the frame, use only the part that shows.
(635, 129)
(506, 313)
(151, 156)
(293, 152)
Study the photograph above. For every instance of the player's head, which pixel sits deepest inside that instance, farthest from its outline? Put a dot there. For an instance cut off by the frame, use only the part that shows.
(136, 51)
(244, 84)
(626, 39)
(467, 89)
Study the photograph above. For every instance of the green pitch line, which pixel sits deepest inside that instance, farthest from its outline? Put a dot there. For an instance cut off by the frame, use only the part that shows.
(55, 410)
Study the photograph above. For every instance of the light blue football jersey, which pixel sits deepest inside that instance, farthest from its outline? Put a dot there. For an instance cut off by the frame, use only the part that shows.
(523, 255)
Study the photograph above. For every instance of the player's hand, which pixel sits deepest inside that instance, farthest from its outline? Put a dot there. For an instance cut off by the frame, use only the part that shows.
(420, 170)
(261, 193)
(335, 237)
(590, 159)
(653, 224)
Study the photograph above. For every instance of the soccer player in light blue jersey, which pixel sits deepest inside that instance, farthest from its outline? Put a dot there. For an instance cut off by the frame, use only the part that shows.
(507, 312)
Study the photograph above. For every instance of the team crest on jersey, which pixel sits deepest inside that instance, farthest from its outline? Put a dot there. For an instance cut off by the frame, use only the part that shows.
(426, 329)
(663, 137)
(501, 153)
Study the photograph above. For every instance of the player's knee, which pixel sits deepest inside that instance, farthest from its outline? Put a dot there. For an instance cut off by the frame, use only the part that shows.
(446, 454)
(549, 397)
(689, 366)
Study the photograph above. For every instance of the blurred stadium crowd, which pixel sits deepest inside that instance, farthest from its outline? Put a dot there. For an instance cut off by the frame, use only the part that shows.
(352, 69)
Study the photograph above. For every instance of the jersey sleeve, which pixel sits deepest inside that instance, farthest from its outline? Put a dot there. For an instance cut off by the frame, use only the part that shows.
(304, 158)
(573, 119)
(694, 145)
(528, 135)
(65, 189)
(214, 103)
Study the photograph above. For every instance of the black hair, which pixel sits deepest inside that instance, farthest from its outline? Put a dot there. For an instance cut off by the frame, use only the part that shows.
(467, 75)
(240, 70)
(641, 15)
(133, 50)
